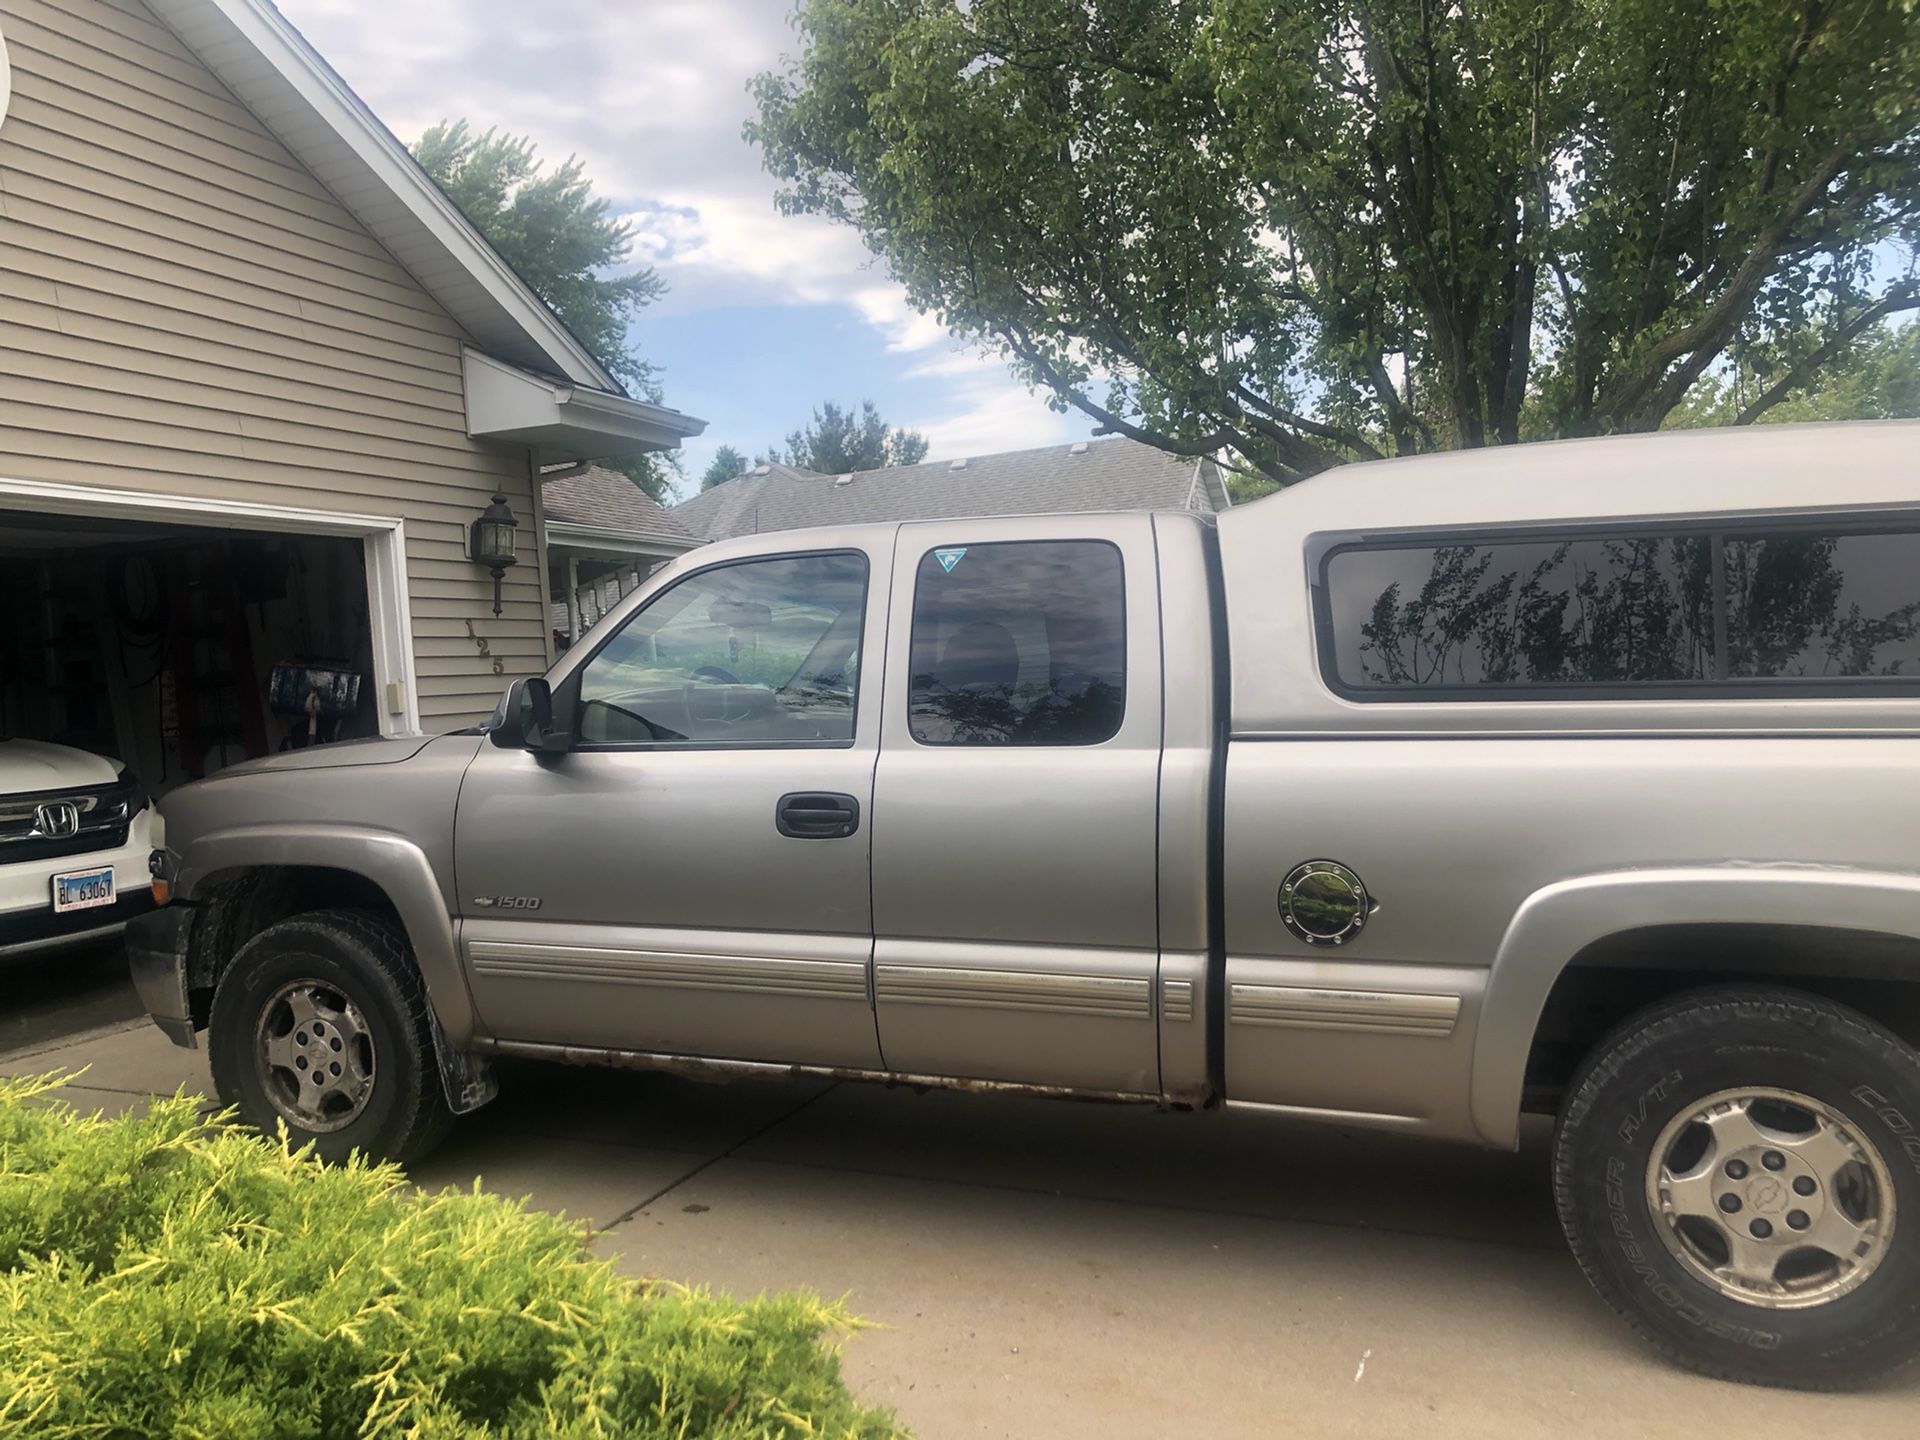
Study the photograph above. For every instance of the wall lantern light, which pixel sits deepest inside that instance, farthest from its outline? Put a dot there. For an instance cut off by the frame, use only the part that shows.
(491, 542)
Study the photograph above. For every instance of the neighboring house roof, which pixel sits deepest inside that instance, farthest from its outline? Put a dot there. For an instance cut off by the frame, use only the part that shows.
(277, 75)
(1114, 474)
(604, 504)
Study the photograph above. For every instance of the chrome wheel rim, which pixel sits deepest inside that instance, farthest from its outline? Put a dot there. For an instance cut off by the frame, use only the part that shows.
(315, 1056)
(1771, 1197)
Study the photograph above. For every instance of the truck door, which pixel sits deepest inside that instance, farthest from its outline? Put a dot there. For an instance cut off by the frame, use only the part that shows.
(1014, 806)
(691, 878)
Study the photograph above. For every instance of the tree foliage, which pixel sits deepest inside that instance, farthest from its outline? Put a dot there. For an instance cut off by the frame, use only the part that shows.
(727, 463)
(1303, 232)
(658, 473)
(839, 441)
(1872, 376)
(556, 234)
(553, 230)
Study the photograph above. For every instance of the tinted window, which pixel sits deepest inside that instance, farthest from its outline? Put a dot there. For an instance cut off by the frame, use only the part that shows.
(1019, 644)
(1820, 607)
(1623, 612)
(768, 650)
(1556, 612)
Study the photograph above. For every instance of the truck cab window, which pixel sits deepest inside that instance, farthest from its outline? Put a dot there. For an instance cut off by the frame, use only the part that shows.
(1022, 643)
(766, 650)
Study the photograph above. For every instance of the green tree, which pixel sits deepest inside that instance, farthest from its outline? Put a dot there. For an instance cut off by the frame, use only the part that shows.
(1872, 374)
(838, 441)
(727, 463)
(556, 234)
(1302, 232)
(1246, 486)
(552, 229)
(659, 473)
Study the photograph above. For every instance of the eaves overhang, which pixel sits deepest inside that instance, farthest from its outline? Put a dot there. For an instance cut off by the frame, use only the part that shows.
(562, 423)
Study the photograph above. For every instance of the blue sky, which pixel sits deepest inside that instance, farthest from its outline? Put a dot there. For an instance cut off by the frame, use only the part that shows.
(766, 315)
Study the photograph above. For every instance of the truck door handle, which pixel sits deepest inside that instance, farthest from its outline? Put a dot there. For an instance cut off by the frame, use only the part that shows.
(816, 815)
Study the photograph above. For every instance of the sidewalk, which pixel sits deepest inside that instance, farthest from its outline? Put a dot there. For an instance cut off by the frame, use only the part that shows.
(1046, 1268)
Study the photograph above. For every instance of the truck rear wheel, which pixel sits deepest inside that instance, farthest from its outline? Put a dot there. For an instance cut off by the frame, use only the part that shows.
(1738, 1172)
(321, 1024)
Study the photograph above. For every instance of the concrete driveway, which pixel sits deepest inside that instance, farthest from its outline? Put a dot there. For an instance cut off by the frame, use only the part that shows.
(1044, 1268)
(45, 998)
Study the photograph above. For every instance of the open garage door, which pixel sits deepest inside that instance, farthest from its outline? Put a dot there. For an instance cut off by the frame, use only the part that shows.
(179, 648)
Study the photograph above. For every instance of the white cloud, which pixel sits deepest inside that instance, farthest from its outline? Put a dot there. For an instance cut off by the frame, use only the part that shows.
(958, 360)
(998, 414)
(886, 308)
(652, 97)
(726, 248)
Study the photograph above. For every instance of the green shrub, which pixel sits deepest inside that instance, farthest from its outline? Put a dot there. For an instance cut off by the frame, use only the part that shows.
(160, 1278)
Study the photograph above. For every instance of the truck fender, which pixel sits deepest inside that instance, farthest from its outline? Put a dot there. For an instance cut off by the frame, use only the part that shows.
(397, 866)
(1557, 922)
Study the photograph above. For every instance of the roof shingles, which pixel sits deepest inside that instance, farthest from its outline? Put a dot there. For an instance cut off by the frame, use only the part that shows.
(1115, 474)
(608, 500)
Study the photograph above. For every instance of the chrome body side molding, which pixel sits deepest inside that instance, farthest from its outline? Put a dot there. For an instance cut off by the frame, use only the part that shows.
(1176, 1000)
(761, 975)
(1056, 992)
(1374, 1012)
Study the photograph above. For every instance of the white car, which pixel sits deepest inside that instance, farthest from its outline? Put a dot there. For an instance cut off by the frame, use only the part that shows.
(76, 833)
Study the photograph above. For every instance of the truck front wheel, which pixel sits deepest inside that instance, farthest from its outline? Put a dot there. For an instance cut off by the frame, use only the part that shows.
(321, 1024)
(1738, 1172)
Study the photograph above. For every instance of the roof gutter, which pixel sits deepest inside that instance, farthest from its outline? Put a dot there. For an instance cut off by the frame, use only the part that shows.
(608, 537)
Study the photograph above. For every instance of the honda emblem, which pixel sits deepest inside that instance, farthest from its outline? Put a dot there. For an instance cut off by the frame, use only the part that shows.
(57, 819)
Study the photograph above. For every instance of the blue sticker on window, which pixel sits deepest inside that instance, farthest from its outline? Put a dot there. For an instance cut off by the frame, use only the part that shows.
(949, 558)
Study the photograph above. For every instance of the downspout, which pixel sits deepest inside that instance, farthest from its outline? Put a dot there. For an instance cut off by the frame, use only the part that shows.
(542, 568)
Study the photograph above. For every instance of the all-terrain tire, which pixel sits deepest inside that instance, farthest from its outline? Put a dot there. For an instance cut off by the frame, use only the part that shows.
(1662, 1064)
(364, 960)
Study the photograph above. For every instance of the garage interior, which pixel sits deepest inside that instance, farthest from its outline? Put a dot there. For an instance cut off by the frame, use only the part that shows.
(180, 650)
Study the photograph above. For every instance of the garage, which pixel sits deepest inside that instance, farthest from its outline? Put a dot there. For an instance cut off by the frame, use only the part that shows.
(180, 650)
(180, 638)
(171, 639)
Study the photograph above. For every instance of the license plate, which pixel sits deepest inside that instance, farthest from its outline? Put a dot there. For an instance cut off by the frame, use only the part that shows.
(82, 890)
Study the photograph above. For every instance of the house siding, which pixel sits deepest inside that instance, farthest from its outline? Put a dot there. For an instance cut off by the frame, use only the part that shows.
(187, 310)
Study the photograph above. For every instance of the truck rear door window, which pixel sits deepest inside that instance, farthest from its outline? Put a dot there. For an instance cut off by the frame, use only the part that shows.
(1594, 615)
(1020, 643)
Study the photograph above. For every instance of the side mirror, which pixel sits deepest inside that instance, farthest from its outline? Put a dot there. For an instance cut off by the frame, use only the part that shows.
(542, 736)
(525, 721)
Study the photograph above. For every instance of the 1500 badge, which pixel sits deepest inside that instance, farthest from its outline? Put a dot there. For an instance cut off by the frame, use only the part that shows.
(507, 902)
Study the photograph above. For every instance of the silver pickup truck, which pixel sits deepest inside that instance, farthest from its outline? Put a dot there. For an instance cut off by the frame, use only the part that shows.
(1580, 779)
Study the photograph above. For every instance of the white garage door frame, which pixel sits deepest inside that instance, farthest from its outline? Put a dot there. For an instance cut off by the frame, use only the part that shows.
(383, 538)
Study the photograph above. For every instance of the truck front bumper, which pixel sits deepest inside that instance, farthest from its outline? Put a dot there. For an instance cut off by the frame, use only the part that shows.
(157, 956)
